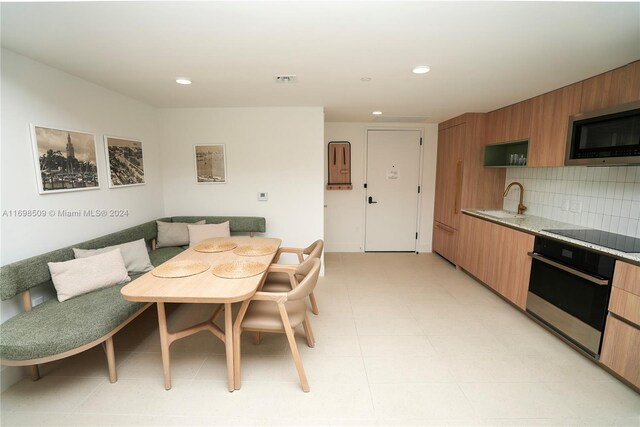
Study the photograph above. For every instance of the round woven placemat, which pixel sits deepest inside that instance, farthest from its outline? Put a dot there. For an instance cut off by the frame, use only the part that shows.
(238, 269)
(254, 250)
(215, 245)
(181, 268)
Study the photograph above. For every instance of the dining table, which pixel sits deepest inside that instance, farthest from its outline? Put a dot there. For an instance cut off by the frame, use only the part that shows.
(204, 287)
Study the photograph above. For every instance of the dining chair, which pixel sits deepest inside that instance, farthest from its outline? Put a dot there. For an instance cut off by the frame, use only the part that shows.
(281, 281)
(279, 312)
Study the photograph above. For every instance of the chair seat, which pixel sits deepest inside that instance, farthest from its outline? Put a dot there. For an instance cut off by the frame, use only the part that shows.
(278, 277)
(265, 316)
(276, 287)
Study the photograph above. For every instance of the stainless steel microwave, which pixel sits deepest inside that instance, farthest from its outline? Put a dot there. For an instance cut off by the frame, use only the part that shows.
(605, 137)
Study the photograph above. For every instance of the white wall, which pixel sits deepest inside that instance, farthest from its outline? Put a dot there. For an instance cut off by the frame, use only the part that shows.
(608, 197)
(35, 93)
(273, 150)
(344, 209)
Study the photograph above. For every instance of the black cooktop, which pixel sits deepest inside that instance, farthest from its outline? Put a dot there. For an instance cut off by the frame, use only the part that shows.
(602, 238)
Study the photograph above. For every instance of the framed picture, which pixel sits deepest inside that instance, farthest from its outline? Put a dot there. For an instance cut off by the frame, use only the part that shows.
(65, 160)
(125, 164)
(211, 164)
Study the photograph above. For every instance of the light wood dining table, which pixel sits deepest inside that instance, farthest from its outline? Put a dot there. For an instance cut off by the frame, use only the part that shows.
(201, 288)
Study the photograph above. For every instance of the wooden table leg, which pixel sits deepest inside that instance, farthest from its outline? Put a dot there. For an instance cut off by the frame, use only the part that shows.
(228, 344)
(164, 345)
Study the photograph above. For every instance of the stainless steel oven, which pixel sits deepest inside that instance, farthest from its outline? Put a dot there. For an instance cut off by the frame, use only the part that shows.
(569, 291)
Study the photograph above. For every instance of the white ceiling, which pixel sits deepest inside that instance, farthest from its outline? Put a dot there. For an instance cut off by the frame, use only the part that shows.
(483, 55)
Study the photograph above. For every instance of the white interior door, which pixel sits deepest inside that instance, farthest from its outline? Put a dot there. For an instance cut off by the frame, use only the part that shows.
(393, 177)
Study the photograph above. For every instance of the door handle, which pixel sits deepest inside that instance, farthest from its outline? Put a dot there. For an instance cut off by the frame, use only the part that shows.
(371, 200)
(446, 230)
(458, 195)
(590, 278)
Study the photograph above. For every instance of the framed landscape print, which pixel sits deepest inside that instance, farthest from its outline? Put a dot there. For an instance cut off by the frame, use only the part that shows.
(125, 165)
(211, 164)
(65, 160)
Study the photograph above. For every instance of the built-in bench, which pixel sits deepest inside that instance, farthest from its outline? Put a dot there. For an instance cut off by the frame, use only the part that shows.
(56, 330)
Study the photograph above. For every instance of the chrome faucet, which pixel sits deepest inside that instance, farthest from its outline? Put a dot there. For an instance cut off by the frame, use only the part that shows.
(521, 206)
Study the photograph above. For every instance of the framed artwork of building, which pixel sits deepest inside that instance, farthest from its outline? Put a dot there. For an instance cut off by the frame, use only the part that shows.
(125, 164)
(211, 164)
(65, 160)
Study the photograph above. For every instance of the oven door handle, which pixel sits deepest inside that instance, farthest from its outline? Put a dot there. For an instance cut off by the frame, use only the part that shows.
(592, 279)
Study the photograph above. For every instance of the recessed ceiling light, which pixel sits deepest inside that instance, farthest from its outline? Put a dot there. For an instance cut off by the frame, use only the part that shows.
(183, 81)
(365, 79)
(421, 69)
(377, 113)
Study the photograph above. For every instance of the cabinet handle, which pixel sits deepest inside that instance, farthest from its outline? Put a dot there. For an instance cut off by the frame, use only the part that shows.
(456, 205)
(446, 230)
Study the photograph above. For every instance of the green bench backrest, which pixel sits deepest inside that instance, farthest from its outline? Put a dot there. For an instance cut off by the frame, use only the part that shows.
(237, 224)
(20, 276)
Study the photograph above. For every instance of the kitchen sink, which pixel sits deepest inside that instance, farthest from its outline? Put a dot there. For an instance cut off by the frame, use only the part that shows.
(500, 213)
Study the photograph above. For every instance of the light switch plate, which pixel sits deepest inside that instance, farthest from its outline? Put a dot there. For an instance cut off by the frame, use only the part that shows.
(263, 197)
(575, 206)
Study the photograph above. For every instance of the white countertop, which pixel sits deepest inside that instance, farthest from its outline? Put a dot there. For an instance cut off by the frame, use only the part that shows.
(535, 225)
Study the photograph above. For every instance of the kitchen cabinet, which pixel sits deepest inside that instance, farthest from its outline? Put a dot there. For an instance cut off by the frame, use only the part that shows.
(499, 155)
(625, 304)
(444, 241)
(615, 87)
(497, 256)
(474, 241)
(621, 344)
(449, 174)
(549, 125)
(621, 349)
(461, 179)
(627, 277)
(511, 123)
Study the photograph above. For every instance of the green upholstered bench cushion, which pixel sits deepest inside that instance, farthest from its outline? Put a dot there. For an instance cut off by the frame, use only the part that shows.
(161, 255)
(55, 327)
(237, 224)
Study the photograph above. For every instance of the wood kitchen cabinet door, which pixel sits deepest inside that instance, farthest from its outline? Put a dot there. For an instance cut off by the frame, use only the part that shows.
(621, 349)
(621, 345)
(510, 123)
(497, 125)
(474, 245)
(512, 265)
(549, 125)
(445, 241)
(449, 175)
(625, 304)
(627, 277)
(497, 256)
(615, 87)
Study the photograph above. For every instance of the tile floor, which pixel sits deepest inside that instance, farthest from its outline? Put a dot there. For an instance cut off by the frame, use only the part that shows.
(402, 339)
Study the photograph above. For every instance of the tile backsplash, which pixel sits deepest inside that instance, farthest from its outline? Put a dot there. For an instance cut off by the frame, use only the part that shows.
(604, 198)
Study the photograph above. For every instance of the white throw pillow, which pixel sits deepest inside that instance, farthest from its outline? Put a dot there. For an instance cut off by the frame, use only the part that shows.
(134, 254)
(198, 233)
(83, 275)
(173, 233)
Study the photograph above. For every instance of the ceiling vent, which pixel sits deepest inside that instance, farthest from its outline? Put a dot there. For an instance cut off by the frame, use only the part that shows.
(400, 119)
(286, 78)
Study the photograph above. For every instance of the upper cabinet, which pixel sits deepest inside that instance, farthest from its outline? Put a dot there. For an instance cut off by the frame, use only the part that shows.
(544, 120)
(618, 86)
(512, 123)
(549, 125)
